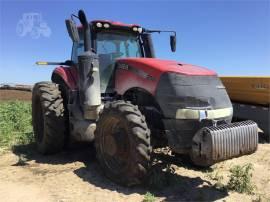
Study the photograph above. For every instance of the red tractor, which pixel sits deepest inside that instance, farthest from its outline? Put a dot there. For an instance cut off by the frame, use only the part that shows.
(115, 92)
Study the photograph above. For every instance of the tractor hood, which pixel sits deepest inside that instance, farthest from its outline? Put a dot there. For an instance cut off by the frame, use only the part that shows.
(154, 66)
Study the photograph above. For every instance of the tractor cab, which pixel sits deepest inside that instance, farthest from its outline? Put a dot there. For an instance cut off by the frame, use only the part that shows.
(111, 41)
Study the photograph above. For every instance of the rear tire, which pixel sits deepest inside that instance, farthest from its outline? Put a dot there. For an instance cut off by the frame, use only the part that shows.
(122, 141)
(48, 117)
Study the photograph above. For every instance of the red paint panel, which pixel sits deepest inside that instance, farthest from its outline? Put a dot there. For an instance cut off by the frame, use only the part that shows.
(68, 74)
(126, 79)
(161, 66)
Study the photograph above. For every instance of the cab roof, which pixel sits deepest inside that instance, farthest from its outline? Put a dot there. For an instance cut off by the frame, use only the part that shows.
(115, 23)
(112, 23)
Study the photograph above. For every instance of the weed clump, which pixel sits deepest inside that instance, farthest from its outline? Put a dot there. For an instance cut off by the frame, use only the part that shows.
(240, 179)
(148, 197)
(15, 123)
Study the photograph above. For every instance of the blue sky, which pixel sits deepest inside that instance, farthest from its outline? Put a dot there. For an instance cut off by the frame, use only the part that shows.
(230, 37)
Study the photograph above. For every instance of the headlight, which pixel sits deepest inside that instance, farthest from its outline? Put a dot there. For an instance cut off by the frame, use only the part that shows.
(204, 113)
(106, 25)
(140, 30)
(135, 29)
(99, 24)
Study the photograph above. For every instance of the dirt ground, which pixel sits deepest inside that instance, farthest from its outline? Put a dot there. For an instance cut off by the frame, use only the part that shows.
(75, 175)
(6, 95)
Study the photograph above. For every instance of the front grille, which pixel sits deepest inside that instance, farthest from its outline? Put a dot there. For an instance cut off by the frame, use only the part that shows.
(175, 91)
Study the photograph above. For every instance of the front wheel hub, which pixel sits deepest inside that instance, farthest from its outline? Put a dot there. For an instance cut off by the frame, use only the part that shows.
(110, 145)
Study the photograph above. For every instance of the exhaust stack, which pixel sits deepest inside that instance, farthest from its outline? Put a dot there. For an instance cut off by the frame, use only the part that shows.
(89, 79)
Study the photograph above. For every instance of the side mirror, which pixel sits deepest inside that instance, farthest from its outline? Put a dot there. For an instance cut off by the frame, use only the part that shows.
(72, 31)
(173, 42)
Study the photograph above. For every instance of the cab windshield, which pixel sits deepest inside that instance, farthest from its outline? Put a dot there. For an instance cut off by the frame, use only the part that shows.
(110, 46)
(118, 44)
(113, 45)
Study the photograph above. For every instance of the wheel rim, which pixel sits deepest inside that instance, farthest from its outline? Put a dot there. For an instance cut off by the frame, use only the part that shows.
(115, 145)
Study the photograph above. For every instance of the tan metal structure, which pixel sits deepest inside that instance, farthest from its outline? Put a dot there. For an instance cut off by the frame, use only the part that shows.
(251, 99)
(244, 89)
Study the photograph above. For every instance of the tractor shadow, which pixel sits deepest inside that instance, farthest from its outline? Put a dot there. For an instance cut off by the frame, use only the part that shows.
(162, 180)
(81, 153)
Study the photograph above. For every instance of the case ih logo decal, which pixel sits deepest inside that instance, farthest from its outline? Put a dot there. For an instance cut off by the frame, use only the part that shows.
(136, 71)
(32, 24)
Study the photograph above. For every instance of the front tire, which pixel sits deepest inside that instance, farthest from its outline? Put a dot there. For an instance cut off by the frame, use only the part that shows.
(122, 141)
(48, 117)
